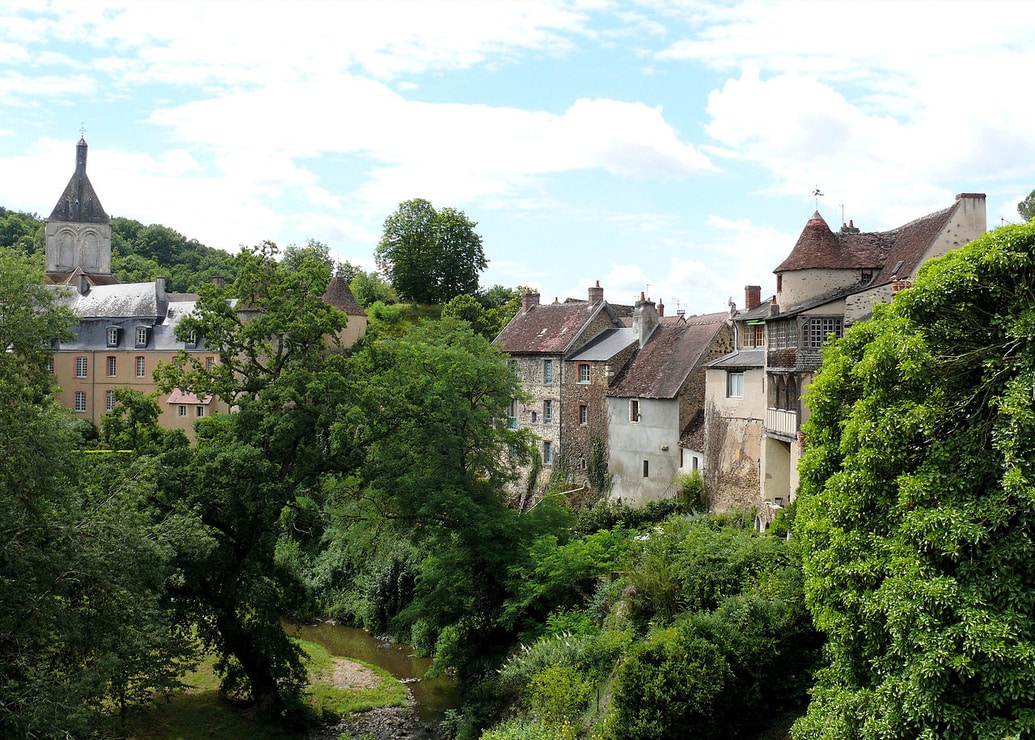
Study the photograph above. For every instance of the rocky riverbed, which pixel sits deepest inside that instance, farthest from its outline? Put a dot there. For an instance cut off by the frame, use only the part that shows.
(390, 723)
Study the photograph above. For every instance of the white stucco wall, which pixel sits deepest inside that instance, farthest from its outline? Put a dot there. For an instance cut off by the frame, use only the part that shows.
(654, 438)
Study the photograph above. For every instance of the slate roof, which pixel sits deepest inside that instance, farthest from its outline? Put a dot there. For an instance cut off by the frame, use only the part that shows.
(743, 359)
(79, 202)
(549, 329)
(121, 300)
(820, 248)
(661, 367)
(340, 296)
(605, 345)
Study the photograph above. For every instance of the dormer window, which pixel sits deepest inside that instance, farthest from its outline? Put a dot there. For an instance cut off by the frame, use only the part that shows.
(192, 340)
(112, 334)
(142, 336)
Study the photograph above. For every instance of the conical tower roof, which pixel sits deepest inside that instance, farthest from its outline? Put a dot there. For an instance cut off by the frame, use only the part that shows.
(819, 248)
(79, 203)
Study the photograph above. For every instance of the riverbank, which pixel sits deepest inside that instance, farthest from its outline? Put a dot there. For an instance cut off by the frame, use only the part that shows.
(388, 723)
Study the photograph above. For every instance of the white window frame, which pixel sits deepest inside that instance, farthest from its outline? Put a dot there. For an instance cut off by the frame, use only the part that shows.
(141, 336)
(79, 402)
(181, 411)
(547, 372)
(583, 366)
(109, 400)
(583, 414)
(113, 366)
(82, 367)
(113, 336)
(547, 452)
(548, 411)
(734, 384)
(141, 366)
(199, 411)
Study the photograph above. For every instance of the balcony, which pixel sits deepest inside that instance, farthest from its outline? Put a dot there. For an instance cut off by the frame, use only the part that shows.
(781, 422)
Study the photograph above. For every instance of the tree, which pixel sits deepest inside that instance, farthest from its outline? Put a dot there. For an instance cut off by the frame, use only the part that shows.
(917, 505)
(82, 628)
(434, 453)
(279, 368)
(430, 256)
(1027, 207)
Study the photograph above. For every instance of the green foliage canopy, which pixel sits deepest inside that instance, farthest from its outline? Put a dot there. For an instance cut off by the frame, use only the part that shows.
(917, 506)
(430, 256)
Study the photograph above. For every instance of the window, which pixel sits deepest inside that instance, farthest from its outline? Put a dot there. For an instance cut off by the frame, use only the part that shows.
(80, 401)
(735, 384)
(192, 339)
(646, 469)
(583, 372)
(210, 362)
(634, 410)
(754, 335)
(783, 334)
(140, 366)
(181, 411)
(548, 412)
(583, 414)
(113, 336)
(512, 414)
(199, 411)
(50, 364)
(547, 372)
(141, 336)
(112, 366)
(80, 367)
(109, 401)
(817, 331)
(547, 453)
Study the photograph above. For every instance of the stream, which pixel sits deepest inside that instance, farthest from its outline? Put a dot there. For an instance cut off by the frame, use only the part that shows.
(433, 696)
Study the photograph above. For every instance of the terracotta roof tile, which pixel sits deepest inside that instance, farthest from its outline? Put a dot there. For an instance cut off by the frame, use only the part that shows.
(548, 329)
(660, 368)
(339, 295)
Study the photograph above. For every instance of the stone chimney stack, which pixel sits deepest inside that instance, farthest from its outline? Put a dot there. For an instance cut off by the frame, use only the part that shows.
(752, 296)
(219, 281)
(84, 284)
(645, 319)
(596, 293)
(529, 301)
(661, 308)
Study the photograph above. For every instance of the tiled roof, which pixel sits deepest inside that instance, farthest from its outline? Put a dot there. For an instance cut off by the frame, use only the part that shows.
(178, 396)
(548, 329)
(660, 368)
(820, 248)
(340, 296)
(692, 437)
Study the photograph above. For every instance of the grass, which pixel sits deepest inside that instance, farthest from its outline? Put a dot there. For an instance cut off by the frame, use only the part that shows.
(199, 712)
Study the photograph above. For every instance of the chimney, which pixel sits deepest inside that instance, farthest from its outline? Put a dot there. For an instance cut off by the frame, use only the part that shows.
(528, 301)
(596, 293)
(752, 296)
(84, 284)
(661, 308)
(645, 319)
(160, 286)
(219, 281)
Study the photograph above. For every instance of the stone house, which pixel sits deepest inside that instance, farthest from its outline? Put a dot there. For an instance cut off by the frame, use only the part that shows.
(657, 399)
(827, 282)
(537, 341)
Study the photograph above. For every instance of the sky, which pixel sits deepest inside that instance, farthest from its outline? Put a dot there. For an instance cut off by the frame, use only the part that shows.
(670, 148)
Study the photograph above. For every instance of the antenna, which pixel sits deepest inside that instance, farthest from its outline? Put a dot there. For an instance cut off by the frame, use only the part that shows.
(817, 195)
(647, 285)
(842, 212)
(82, 130)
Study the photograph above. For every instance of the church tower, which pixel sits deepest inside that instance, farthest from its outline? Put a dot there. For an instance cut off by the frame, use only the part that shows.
(79, 231)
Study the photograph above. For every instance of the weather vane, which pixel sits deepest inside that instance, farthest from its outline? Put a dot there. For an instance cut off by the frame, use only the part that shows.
(82, 130)
(817, 195)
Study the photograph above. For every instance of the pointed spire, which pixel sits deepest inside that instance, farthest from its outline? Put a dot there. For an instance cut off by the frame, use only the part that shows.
(79, 203)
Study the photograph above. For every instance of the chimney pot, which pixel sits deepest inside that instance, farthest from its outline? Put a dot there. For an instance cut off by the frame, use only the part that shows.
(529, 300)
(596, 293)
(752, 296)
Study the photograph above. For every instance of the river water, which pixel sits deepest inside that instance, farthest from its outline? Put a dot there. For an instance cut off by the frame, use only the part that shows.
(433, 696)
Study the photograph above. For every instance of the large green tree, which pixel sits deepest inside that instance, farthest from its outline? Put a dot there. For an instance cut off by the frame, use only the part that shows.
(917, 507)
(82, 628)
(430, 256)
(279, 368)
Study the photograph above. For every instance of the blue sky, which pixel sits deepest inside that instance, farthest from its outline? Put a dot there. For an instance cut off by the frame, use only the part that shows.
(665, 147)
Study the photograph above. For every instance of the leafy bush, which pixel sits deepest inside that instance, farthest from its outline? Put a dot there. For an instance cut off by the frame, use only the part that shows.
(558, 694)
